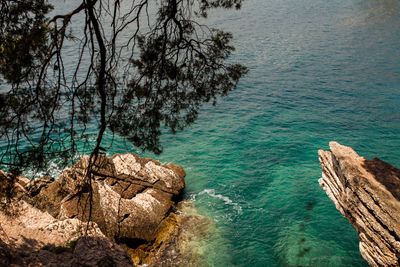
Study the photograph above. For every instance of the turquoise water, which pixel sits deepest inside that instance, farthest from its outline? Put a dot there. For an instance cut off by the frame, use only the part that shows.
(319, 71)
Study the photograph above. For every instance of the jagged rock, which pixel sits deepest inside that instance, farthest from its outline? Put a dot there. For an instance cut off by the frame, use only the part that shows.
(48, 197)
(178, 242)
(367, 193)
(31, 222)
(95, 251)
(11, 186)
(35, 185)
(88, 251)
(129, 199)
(130, 195)
(31, 237)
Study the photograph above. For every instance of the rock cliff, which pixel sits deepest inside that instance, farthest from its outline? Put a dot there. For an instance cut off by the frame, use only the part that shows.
(367, 193)
(131, 202)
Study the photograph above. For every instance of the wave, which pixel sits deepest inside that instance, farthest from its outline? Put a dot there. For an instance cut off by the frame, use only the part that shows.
(54, 169)
(213, 194)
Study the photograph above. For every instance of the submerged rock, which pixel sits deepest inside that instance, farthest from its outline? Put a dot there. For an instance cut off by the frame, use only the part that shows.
(367, 193)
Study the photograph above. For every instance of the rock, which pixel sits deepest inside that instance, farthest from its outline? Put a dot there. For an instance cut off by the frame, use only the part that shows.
(35, 185)
(11, 186)
(130, 195)
(179, 242)
(31, 223)
(48, 197)
(128, 200)
(367, 193)
(95, 251)
(31, 237)
(6, 255)
(88, 251)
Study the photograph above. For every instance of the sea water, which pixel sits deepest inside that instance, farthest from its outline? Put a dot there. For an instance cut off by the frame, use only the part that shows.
(319, 71)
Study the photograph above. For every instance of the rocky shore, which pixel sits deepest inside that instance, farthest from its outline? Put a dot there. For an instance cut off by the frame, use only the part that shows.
(367, 193)
(129, 214)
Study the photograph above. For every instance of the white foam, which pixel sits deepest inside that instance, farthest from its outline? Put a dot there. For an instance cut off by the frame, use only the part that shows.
(54, 170)
(212, 193)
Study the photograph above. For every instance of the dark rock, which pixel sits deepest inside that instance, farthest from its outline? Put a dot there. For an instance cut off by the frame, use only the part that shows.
(48, 198)
(99, 252)
(36, 185)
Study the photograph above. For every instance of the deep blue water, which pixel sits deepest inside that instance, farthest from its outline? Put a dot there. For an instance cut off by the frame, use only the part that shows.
(319, 71)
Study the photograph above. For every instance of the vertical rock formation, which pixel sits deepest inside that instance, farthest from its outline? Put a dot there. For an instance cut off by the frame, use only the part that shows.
(367, 193)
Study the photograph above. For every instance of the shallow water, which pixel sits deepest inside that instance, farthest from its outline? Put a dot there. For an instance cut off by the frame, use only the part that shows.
(320, 71)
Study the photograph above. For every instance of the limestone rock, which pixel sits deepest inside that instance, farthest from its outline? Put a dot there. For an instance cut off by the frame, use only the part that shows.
(367, 193)
(47, 197)
(95, 251)
(31, 237)
(128, 199)
(179, 242)
(11, 186)
(130, 195)
(35, 185)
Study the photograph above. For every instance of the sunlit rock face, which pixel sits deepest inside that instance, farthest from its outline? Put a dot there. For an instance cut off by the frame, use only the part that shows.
(31, 237)
(367, 193)
(131, 195)
(129, 201)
